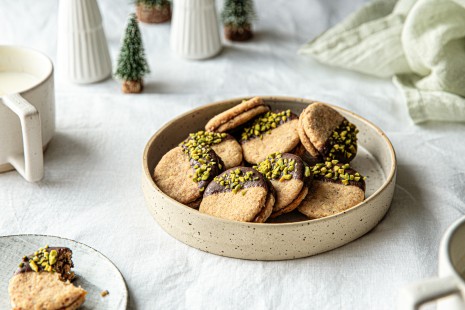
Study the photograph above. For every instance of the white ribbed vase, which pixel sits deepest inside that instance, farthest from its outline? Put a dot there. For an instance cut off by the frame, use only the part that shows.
(83, 55)
(195, 30)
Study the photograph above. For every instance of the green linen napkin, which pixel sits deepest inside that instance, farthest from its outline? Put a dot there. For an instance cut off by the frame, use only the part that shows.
(420, 43)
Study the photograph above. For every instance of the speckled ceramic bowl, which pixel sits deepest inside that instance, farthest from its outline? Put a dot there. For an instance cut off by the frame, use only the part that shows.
(293, 236)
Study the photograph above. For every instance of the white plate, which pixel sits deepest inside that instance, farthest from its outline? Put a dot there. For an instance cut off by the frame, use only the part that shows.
(95, 273)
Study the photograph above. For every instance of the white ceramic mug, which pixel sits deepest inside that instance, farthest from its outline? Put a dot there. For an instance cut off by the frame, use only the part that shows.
(27, 110)
(451, 281)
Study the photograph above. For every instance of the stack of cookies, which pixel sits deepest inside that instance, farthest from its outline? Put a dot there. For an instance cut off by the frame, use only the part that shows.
(252, 163)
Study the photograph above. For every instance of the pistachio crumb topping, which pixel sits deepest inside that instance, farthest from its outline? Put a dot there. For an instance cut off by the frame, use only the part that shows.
(334, 170)
(307, 173)
(202, 139)
(276, 167)
(235, 179)
(42, 260)
(264, 123)
(197, 146)
(343, 141)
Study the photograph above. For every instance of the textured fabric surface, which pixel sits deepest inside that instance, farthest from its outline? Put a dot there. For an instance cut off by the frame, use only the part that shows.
(419, 42)
(92, 190)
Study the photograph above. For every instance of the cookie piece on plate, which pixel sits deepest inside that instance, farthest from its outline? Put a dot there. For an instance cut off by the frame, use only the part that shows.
(335, 188)
(239, 194)
(183, 173)
(269, 133)
(326, 134)
(224, 145)
(237, 115)
(287, 174)
(42, 281)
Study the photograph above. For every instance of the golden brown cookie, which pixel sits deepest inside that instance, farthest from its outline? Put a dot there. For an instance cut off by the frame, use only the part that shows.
(239, 194)
(269, 133)
(42, 281)
(335, 188)
(44, 290)
(287, 174)
(326, 134)
(305, 141)
(237, 115)
(183, 173)
(224, 145)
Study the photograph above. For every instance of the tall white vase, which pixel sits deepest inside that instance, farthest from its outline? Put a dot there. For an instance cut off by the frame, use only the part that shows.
(195, 29)
(83, 55)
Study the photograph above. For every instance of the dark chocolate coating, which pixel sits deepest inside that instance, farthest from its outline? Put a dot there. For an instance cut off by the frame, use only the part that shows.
(215, 169)
(214, 187)
(291, 117)
(228, 137)
(327, 146)
(360, 184)
(27, 268)
(299, 168)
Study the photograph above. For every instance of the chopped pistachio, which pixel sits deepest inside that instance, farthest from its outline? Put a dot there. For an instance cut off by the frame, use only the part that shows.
(344, 135)
(307, 171)
(332, 169)
(265, 123)
(33, 266)
(275, 167)
(234, 180)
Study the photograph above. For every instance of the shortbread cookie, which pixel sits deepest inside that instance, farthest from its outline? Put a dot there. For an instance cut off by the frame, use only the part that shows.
(286, 173)
(237, 115)
(326, 134)
(224, 145)
(240, 194)
(335, 188)
(305, 141)
(44, 290)
(183, 173)
(269, 133)
(42, 281)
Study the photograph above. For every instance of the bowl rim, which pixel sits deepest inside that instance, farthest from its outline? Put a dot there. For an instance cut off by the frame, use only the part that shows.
(383, 187)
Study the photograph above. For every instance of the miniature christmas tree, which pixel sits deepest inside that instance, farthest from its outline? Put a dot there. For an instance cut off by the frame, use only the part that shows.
(132, 65)
(153, 11)
(237, 18)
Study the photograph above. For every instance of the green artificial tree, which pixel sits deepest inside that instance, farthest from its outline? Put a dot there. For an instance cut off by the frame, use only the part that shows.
(132, 65)
(153, 11)
(237, 16)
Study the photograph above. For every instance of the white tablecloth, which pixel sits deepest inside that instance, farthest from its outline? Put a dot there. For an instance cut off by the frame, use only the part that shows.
(91, 191)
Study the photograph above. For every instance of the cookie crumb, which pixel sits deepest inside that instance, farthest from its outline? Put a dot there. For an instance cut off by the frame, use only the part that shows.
(104, 293)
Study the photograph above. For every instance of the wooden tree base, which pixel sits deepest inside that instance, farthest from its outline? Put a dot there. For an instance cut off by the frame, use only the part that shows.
(132, 87)
(238, 34)
(153, 14)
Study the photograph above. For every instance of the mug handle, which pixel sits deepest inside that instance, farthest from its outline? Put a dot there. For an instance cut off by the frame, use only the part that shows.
(416, 294)
(32, 166)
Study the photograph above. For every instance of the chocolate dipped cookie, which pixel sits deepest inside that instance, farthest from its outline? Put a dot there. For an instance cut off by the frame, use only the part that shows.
(224, 145)
(287, 174)
(42, 281)
(239, 194)
(237, 115)
(184, 172)
(269, 133)
(326, 134)
(335, 188)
